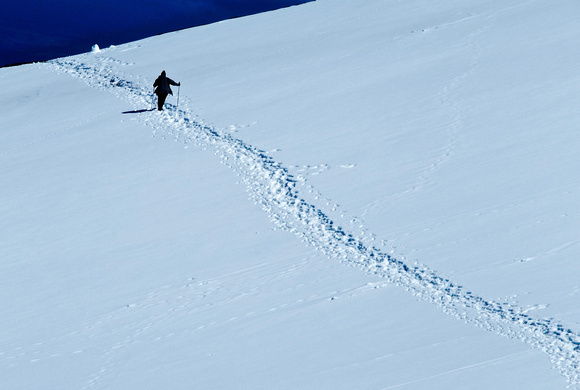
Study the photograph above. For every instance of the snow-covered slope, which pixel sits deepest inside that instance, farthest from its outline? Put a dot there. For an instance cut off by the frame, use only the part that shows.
(428, 146)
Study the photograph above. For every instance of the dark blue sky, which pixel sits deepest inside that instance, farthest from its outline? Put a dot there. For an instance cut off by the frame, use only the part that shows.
(37, 30)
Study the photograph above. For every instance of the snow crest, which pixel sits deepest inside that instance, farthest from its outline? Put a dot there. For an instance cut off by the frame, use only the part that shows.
(276, 191)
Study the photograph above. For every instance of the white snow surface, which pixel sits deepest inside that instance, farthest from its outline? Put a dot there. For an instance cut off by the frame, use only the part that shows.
(349, 195)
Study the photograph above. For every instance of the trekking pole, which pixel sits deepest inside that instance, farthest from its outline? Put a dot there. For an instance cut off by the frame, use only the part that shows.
(152, 99)
(178, 90)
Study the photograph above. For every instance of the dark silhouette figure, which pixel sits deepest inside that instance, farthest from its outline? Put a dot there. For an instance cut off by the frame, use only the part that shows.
(163, 88)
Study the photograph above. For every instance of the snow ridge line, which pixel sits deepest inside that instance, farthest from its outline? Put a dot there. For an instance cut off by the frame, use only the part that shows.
(271, 186)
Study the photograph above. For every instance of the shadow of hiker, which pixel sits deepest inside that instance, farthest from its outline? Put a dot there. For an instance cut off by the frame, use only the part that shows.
(138, 111)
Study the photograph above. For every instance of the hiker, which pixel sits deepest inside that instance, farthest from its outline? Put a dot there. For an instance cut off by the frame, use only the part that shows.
(162, 84)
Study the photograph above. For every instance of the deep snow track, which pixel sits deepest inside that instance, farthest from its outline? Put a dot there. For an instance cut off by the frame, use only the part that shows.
(272, 187)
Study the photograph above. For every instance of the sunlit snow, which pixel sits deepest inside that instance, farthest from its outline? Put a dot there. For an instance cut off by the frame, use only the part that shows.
(350, 195)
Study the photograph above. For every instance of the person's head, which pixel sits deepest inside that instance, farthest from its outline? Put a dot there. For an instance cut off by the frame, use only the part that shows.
(163, 73)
